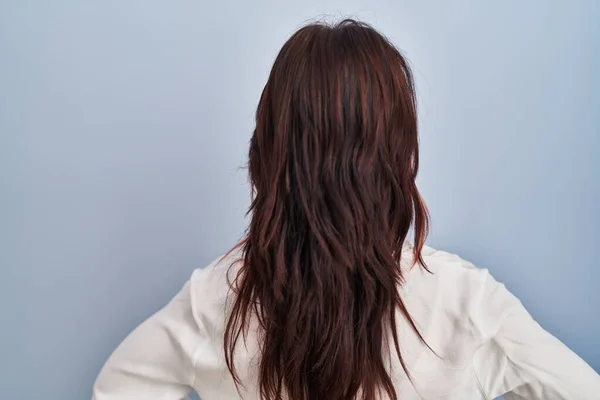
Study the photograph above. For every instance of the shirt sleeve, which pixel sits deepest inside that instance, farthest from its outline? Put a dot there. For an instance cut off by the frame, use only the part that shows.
(156, 361)
(519, 359)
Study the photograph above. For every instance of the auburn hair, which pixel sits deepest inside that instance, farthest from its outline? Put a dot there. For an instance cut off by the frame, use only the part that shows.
(332, 165)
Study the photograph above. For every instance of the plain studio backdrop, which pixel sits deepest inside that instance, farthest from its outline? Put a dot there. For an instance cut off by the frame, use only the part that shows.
(124, 126)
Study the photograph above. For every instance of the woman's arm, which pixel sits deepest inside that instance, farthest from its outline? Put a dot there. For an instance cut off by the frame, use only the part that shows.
(156, 361)
(519, 359)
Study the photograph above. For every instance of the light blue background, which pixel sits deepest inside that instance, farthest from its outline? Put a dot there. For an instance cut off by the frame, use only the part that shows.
(123, 125)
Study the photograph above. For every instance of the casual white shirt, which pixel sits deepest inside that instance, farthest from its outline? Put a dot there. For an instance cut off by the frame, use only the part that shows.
(488, 344)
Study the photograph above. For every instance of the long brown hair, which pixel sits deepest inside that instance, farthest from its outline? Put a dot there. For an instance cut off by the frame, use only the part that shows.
(332, 163)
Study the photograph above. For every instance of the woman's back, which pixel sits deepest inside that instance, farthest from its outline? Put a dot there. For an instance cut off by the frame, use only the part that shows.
(486, 343)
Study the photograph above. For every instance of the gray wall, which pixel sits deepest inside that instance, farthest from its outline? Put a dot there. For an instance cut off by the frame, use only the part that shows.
(124, 124)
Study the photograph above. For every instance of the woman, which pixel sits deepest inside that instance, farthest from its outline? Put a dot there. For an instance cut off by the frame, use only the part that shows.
(324, 298)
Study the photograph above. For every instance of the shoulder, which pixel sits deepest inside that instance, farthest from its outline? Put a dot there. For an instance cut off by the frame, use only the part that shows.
(462, 293)
(210, 287)
(446, 291)
(218, 273)
(450, 273)
(454, 267)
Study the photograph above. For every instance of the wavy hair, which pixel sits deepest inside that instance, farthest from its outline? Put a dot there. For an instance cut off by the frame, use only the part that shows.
(332, 164)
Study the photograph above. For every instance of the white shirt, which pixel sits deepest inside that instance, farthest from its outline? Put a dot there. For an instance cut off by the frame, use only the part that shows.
(487, 342)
